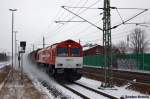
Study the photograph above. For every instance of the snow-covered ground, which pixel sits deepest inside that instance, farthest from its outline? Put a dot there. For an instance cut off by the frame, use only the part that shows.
(35, 74)
(43, 90)
(121, 91)
(15, 89)
(3, 64)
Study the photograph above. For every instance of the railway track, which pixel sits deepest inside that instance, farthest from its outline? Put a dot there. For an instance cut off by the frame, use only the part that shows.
(87, 88)
(128, 75)
(75, 92)
(82, 95)
(96, 91)
(123, 79)
(55, 92)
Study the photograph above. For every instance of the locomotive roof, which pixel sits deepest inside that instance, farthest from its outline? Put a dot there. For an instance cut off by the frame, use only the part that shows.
(56, 44)
(66, 41)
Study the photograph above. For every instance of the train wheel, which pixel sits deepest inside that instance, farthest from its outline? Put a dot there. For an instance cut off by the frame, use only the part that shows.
(47, 69)
(51, 70)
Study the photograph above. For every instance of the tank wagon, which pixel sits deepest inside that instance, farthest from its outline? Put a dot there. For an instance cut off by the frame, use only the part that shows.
(61, 60)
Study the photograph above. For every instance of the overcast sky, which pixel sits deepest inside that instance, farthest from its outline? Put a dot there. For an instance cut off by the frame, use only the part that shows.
(35, 19)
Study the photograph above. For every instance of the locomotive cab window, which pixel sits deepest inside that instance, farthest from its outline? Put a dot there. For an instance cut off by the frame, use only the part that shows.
(75, 52)
(62, 52)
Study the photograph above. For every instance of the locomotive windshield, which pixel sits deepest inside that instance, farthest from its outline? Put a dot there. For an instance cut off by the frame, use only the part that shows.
(62, 52)
(75, 51)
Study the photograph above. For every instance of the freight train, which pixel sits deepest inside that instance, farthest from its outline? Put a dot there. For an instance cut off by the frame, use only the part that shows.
(61, 60)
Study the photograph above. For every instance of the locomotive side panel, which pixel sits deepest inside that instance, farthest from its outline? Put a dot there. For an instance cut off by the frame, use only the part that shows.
(46, 56)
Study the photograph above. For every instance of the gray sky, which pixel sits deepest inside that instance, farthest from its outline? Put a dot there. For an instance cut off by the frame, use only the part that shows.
(35, 18)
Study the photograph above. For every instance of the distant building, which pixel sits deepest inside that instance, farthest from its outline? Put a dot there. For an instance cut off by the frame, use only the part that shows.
(97, 50)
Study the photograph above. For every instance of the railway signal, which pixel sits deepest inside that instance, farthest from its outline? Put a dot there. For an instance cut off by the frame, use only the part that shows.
(20, 57)
(15, 47)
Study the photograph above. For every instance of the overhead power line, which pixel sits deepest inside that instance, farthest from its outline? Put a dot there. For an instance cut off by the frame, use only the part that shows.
(129, 19)
(103, 8)
(82, 18)
(120, 16)
(130, 8)
(63, 24)
(84, 10)
(68, 21)
(82, 7)
(123, 21)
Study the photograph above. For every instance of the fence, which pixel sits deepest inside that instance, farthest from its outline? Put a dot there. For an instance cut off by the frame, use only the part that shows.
(121, 61)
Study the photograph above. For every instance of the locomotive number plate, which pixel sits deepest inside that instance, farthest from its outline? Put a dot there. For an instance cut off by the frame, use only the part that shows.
(68, 59)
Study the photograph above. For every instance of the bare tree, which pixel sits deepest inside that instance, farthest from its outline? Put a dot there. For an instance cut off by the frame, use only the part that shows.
(122, 46)
(139, 41)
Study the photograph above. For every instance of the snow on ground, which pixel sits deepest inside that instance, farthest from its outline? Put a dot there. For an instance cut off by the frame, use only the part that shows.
(35, 74)
(121, 91)
(15, 89)
(43, 90)
(42, 76)
(3, 73)
(88, 93)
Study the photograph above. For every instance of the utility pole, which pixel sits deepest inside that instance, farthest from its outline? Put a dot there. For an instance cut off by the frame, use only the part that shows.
(12, 10)
(15, 47)
(43, 42)
(128, 41)
(107, 45)
(33, 47)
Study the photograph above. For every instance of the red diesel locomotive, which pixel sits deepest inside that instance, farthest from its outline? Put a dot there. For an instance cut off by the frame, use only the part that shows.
(62, 59)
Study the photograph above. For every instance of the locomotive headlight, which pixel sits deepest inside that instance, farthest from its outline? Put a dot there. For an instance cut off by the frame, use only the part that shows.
(59, 64)
(78, 64)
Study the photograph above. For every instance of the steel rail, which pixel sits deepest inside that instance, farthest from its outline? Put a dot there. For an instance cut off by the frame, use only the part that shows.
(74, 91)
(96, 91)
(44, 83)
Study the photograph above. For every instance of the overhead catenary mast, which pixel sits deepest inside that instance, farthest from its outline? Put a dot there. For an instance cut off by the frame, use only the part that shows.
(43, 42)
(107, 45)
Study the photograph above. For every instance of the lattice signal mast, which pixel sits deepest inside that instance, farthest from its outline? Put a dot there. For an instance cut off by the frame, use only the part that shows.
(107, 44)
